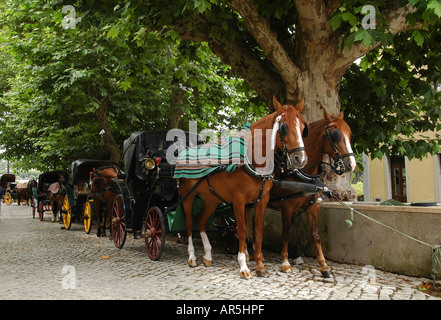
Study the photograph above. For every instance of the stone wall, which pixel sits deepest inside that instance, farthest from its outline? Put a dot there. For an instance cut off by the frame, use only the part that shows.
(366, 242)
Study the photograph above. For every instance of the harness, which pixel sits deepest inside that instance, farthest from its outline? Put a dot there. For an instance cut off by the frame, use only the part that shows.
(334, 136)
(98, 193)
(339, 166)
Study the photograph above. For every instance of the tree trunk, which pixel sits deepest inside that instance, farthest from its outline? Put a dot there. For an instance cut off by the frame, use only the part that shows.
(108, 139)
(176, 108)
(102, 116)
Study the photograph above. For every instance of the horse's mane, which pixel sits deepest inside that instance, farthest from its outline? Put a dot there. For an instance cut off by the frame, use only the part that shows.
(265, 122)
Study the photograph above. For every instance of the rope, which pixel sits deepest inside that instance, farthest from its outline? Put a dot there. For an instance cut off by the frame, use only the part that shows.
(436, 249)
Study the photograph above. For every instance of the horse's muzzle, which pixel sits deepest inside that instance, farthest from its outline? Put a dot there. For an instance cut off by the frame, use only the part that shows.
(298, 159)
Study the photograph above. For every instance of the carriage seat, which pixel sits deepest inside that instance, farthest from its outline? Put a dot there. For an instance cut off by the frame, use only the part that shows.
(82, 186)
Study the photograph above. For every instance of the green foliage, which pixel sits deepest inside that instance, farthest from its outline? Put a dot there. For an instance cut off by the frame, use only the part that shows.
(392, 98)
(129, 57)
(56, 76)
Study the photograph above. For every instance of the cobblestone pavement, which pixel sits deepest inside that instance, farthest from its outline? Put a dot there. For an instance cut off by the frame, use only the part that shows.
(39, 260)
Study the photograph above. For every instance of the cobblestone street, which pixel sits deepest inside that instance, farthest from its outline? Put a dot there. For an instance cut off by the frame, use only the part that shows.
(39, 260)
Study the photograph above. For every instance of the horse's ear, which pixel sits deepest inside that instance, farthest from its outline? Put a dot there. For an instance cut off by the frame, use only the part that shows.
(341, 115)
(299, 106)
(277, 105)
(327, 116)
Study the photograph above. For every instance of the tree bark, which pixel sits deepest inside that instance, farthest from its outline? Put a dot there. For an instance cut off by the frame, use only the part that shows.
(176, 108)
(102, 116)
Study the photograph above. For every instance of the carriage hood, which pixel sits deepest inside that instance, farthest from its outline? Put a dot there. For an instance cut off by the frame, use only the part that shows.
(82, 167)
(5, 179)
(142, 144)
(50, 177)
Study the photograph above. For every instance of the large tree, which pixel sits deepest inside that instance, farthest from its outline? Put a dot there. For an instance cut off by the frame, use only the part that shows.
(291, 49)
(295, 49)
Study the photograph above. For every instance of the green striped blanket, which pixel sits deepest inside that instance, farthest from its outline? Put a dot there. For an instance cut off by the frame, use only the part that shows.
(225, 154)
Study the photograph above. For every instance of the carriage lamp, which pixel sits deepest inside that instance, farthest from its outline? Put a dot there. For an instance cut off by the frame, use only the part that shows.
(149, 164)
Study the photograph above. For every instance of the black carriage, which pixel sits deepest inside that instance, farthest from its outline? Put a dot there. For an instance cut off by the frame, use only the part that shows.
(8, 184)
(77, 205)
(149, 199)
(41, 195)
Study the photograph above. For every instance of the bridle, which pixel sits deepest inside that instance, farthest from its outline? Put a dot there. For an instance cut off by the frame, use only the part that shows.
(99, 175)
(334, 136)
(283, 131)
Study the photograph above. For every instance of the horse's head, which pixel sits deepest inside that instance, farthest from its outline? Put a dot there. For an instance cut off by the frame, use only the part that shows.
(291, 131)
(337, 143)
(97, 182)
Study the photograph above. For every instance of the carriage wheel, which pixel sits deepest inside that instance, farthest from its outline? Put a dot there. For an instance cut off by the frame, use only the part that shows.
(154, 233)
(87, 216)
(229, 236)
(67, 213)
(8, 198)
(119, 230)
(40, 210)
(33, 204)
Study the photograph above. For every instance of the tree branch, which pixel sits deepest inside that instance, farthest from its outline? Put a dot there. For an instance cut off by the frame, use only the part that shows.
(396, 18)
(233, 53)
(267, 40)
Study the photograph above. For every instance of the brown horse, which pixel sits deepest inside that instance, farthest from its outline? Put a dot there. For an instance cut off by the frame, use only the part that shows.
(331, 136)
(241, 187)
(57, 192)
(103, 191)
(24, 191)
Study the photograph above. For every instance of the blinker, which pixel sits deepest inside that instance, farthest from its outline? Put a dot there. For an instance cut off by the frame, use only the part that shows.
(335, 135)
(283, 131)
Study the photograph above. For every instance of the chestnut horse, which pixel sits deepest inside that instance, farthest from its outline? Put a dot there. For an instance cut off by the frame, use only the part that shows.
(331, 136)
(240, 187)
(57, 192)
(103, 191)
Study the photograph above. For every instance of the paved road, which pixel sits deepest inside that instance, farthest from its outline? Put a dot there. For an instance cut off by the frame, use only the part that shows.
(39, 260)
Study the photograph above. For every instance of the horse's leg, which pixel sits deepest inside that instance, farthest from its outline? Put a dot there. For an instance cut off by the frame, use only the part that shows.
(104, 217)
(97, 205)
(286, 222)
(259, 212)
(188, 208)
(239, 212)
(53, 203)
(203, 216)
(312, 213)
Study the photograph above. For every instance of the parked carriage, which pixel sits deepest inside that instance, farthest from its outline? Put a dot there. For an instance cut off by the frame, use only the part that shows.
(77, 204)
(42, 195)
(6, 181)
(149, 195)
(10, 193)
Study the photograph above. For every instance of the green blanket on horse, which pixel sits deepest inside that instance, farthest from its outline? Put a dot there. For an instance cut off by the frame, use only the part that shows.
(226, 154)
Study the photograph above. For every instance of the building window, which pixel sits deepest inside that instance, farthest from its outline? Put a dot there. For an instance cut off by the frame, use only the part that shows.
(398, 175)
